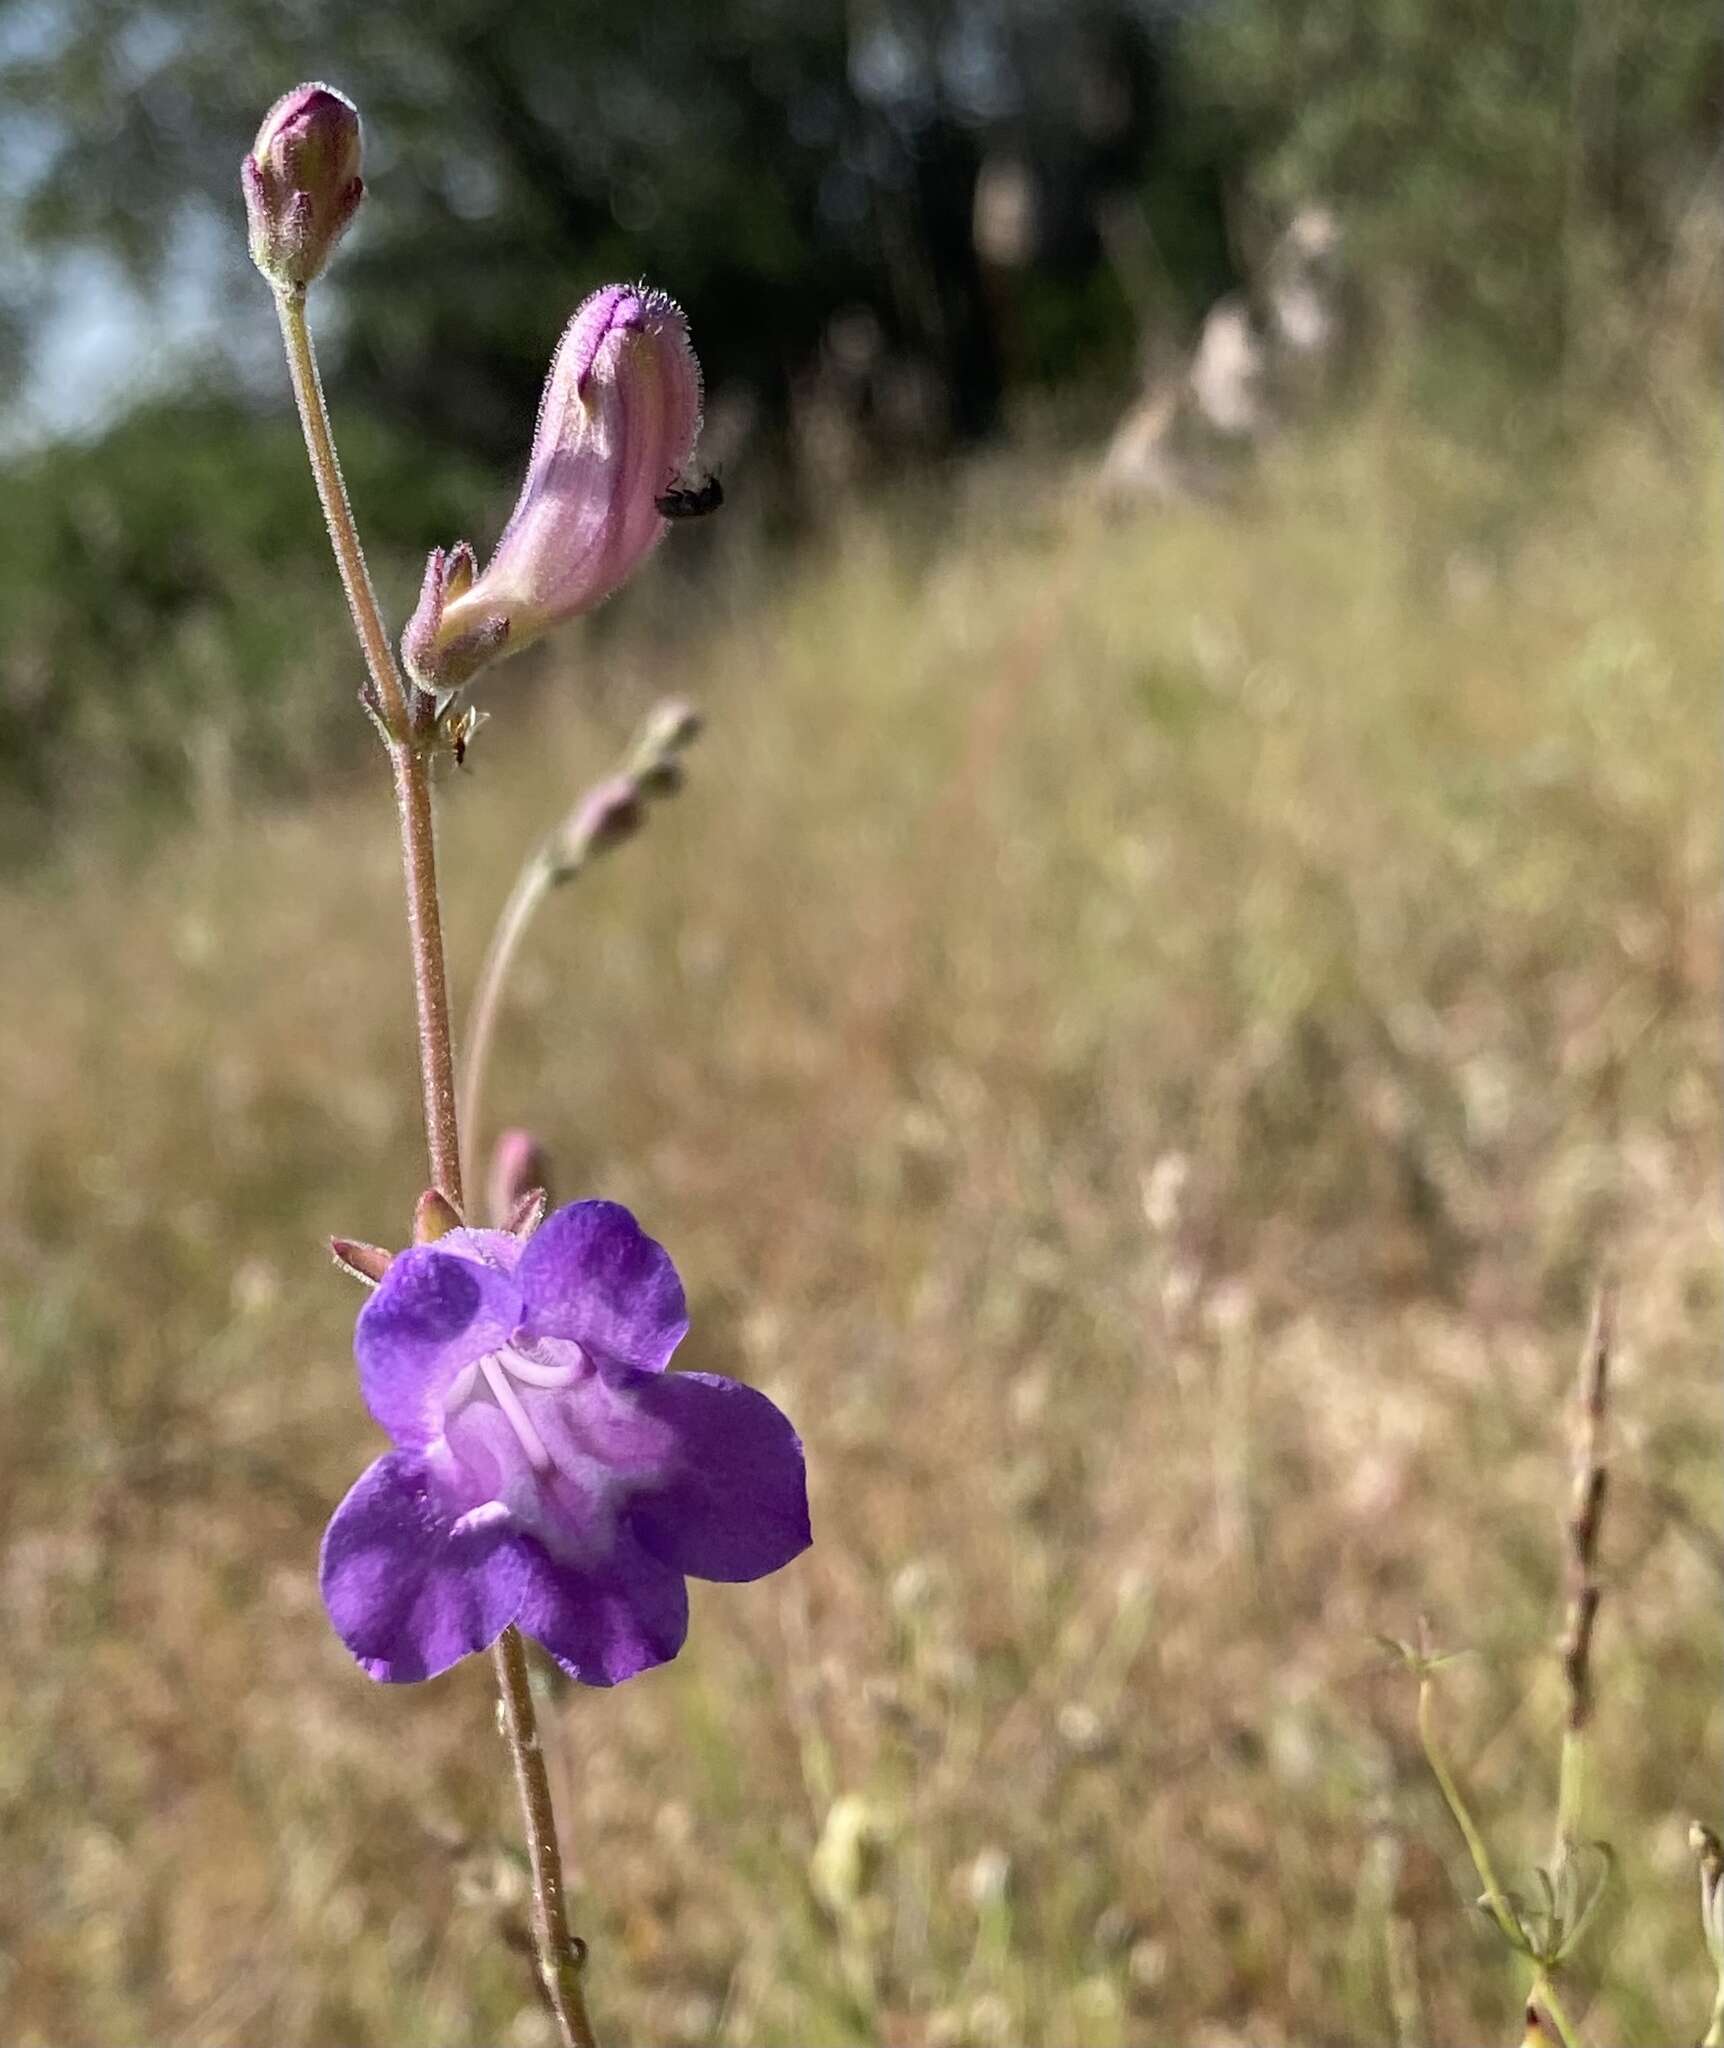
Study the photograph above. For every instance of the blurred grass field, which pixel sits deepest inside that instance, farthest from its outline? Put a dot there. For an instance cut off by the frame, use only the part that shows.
(1142, 1033)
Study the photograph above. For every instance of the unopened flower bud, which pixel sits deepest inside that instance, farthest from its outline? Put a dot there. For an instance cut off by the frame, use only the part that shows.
(617, 426)
(671, 728)
(302, 184)
(434, 1216)
(519, 1170)
(367, 1262)
(609, 813)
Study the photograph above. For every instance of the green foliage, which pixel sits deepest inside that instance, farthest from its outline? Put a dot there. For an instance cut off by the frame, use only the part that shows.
(1512, 163)
(517, 157)
(169, 606)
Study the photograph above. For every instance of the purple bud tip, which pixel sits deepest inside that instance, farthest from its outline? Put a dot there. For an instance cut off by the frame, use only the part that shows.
(607, 814)
(302, 183)
(519, 1169)
(528, 1213)
(367, 1262)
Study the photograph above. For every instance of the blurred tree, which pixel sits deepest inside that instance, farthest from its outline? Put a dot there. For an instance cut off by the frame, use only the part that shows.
(775, 162)
(783, 165)
(517, 155)
(1524, 167)
(908, 206)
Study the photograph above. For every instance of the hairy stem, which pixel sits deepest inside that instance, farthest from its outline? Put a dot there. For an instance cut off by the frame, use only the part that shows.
(412, 772)
(408, 730)
(560, 1956)
(390, 698)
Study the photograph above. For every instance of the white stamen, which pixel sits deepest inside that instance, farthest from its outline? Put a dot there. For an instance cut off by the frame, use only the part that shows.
(485, 1516)
(532, 1375)
(497, 1379)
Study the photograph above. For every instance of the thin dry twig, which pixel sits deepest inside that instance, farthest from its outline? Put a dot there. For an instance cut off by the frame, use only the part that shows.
(1586, 1511)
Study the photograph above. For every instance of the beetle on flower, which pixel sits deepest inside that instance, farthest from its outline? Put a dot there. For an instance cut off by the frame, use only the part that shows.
(548, 1471)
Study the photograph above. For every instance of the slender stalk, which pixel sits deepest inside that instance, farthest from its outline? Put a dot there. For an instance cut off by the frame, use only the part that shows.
(559, 1957)
(1585, 1518)
(607, 814)
(1495, 1897)
(1710, 1851)
(1501, 1910)
(412, 772)
(1543, 1992)
(532, 885)
(391, 697)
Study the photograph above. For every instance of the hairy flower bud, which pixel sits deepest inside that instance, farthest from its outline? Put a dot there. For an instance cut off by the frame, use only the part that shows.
(302, 184)
(617, 426)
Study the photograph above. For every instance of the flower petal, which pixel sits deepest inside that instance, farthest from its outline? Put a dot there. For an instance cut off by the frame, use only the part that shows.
(617, 424)
(609, 1619)
(434, 1312)
(499, 1248)
(733, 1504)
(591, 1273)
(411, 1587)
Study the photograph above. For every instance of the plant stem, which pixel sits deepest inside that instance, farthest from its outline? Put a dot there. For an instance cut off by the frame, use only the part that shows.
(1545, 1992)
(1570, 1793)
(1501, 1911)
(1582, 1530)
(412, 771)
(560, 1957)
(531, 886)
(408, 731)
(386, 685)
(608, 813)
(1495, 1898)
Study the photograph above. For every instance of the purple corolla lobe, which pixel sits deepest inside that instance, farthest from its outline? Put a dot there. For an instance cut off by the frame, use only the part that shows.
(547, 1469)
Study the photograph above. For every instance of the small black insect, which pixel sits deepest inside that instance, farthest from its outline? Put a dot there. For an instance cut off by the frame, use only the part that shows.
(456, 729)
(681, 503)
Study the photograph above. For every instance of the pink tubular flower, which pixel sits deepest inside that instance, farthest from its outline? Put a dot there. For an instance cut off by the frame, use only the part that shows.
(616, 428)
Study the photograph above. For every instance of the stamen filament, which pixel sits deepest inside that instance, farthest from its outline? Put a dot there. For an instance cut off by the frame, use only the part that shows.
(497, 1379)
(534, 1375)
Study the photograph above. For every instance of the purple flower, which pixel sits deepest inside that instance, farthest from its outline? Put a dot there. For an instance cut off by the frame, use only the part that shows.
(617, 426)
(547, 1470)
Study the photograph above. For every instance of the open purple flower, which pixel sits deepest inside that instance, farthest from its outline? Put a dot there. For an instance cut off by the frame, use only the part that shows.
(548, 1471)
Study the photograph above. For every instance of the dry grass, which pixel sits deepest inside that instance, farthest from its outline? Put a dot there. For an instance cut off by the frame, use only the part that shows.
(1142, 1035)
